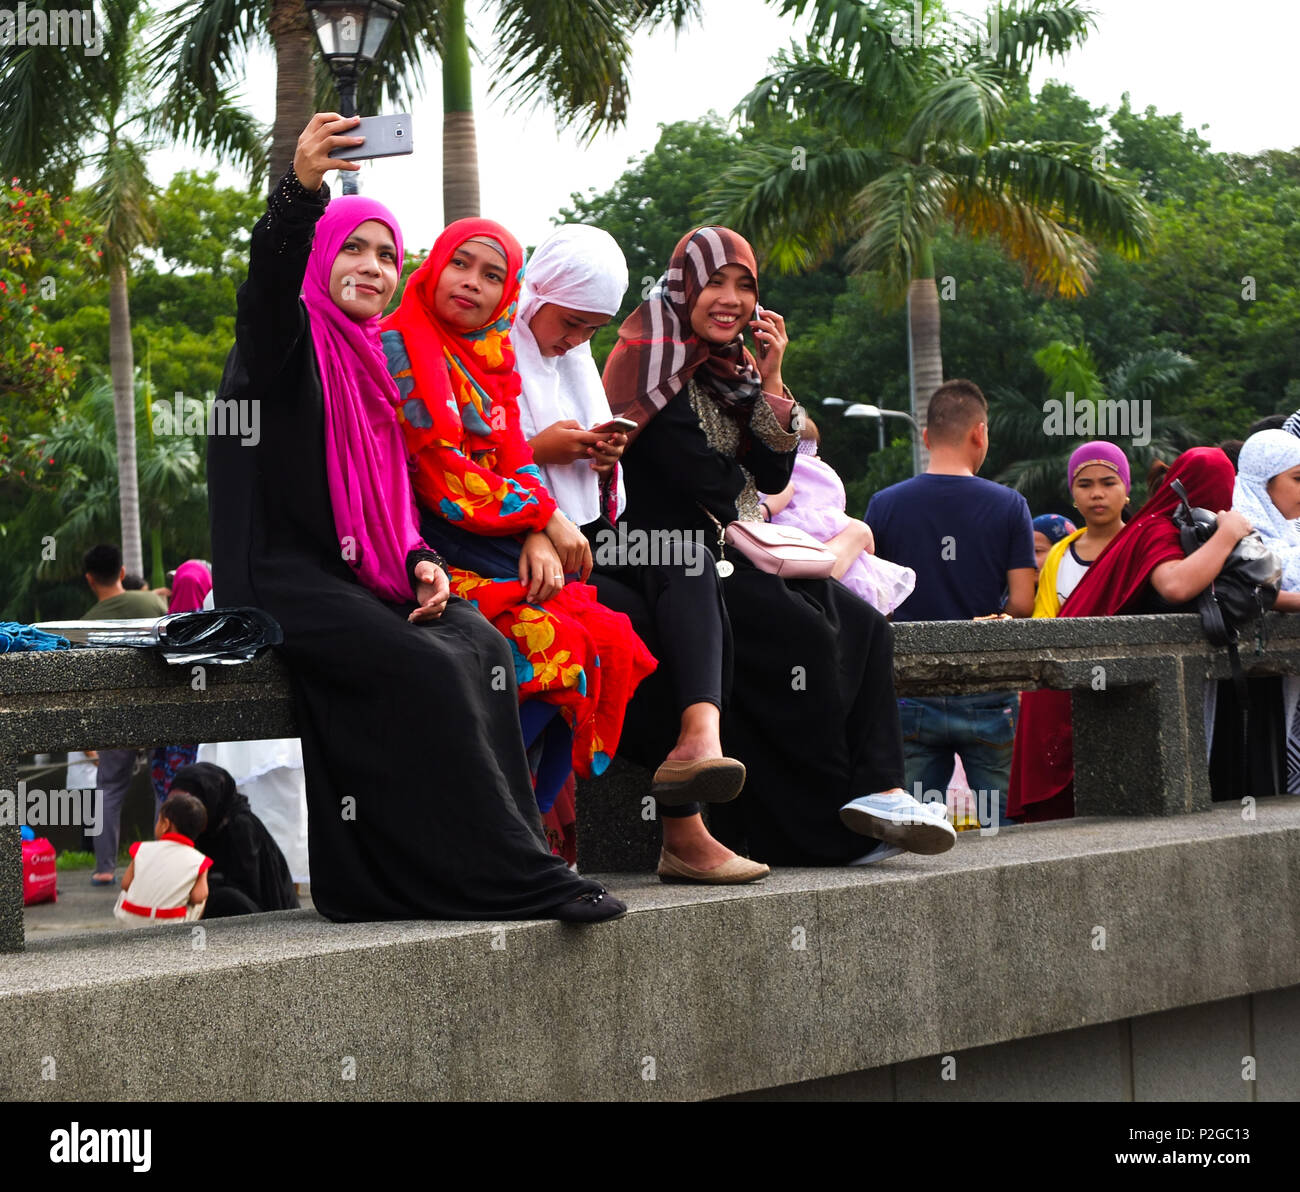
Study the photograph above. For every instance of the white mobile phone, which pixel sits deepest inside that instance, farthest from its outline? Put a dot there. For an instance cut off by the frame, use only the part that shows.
(386, 136)
(619, 424)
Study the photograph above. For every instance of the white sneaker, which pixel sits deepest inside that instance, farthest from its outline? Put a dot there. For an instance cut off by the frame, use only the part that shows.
(880, 851)
(900, 820)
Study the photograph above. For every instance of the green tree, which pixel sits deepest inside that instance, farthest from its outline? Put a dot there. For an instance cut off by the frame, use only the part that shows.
(913, 140)
(108, 106)
(73, 508)
(1017, 422)
(43, 243)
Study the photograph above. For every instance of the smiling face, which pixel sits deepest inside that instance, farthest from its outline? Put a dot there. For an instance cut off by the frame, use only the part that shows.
(725, 305)
(1284, 492)
(1099, 494)
(471, 285)
(364, 276)
(560, 329)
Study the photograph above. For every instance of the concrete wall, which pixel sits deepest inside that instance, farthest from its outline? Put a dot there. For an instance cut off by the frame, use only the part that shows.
(701, 993)
(1240, 1049)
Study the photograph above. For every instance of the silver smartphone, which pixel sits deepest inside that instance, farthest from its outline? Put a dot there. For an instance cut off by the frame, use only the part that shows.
(386, 136)
(614, 424)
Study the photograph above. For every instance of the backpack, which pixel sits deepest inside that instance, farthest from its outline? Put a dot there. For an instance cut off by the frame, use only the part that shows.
(1246, 586)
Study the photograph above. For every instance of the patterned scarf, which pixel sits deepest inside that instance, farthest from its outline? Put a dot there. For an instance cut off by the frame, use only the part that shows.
(657, 352)
(457, 377)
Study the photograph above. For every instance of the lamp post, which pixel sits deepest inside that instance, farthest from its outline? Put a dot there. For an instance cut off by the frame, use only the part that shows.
(349, 33)
(860, 410)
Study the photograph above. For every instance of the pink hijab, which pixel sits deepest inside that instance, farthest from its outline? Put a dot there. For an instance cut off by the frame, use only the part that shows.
(190, 588)
(365, 458)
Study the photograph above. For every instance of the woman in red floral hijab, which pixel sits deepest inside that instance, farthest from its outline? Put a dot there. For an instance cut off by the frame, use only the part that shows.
(483, 501)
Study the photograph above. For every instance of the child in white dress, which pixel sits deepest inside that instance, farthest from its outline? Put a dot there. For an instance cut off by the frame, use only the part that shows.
(167, 880)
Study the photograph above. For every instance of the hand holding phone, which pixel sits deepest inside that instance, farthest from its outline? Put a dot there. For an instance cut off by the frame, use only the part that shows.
(385, 136)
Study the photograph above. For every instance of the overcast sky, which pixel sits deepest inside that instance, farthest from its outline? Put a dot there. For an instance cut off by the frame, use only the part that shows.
(1235, 75)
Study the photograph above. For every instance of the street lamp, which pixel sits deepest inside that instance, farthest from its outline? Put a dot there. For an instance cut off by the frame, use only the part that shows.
(860, 410)
(349, 33)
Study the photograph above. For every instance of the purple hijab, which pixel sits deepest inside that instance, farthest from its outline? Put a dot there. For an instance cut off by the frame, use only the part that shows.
(365, 458)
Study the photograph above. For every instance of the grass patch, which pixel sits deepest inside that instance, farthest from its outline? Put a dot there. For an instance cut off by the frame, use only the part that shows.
(72, 859)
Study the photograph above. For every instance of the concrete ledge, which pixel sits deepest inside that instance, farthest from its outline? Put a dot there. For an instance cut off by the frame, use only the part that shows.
(708, 991)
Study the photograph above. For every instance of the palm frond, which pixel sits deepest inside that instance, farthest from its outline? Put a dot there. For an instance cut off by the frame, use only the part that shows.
(121, 198)
(1150, 375)
(43, 93)
(675, 14)
(795, 216)
(1055, 257)
(899, 212)
(1028, 30)
(963, 108)
(571, 54)
(203, 44)
(828, 92)
(1064, 180)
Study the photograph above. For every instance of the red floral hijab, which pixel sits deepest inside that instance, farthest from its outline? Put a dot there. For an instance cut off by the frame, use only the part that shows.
(657, 352)
(450, 379)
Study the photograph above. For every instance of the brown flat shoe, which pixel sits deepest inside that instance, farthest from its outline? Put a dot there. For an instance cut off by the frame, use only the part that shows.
(712, 780)
(735, 871)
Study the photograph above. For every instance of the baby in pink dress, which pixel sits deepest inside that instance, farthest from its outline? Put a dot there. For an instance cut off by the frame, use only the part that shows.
(814, 502)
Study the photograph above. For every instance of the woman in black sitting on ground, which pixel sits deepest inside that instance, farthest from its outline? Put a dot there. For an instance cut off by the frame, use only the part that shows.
(249, 872)
(420, 803)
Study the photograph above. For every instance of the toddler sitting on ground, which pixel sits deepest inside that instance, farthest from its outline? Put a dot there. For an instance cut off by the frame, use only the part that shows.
(167, 880)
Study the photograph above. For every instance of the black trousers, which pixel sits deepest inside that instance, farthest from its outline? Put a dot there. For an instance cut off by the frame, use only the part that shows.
(675, 604)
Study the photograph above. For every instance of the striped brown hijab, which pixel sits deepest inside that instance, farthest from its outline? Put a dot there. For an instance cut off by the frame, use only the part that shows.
(657, 352)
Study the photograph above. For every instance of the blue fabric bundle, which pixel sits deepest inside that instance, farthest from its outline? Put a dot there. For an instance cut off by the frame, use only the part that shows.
(15, 637)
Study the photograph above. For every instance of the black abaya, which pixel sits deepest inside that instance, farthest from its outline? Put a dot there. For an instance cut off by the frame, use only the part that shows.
(419, 798)
(812, 711)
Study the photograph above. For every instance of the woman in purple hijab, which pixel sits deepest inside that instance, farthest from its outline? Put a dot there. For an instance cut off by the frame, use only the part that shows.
(420, 802)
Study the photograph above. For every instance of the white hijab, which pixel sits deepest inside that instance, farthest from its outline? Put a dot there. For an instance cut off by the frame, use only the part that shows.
(582, 268)
(1263, 456)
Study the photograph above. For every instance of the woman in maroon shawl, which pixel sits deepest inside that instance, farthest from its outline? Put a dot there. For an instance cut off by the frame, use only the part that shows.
(1142, 571)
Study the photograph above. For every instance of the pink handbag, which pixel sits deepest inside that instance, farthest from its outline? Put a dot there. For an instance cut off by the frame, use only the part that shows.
(781, 550)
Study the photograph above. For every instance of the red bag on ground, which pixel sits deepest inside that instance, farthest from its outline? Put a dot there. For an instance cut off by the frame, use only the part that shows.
(40, 879)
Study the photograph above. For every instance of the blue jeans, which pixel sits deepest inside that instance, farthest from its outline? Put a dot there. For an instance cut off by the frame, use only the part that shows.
(981, 729)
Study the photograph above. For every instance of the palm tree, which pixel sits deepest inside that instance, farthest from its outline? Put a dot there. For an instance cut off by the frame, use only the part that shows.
(570, 54)
(83, 442)
(910, 139)
(103, 100)
(1017, 421)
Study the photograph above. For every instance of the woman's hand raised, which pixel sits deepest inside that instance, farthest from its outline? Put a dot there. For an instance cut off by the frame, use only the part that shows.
(312, 158)
(432, 592)
(770, 336)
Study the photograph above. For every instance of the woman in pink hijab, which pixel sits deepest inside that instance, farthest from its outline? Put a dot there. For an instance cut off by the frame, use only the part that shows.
(190, 588)
(420, 803)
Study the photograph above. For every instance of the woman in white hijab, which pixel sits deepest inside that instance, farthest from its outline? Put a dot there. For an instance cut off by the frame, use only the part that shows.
(573, 286)
(1267, 491)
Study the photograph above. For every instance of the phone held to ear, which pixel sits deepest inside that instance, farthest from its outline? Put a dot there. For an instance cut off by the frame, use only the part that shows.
(386, 136)
(762, 344)
(614, 424)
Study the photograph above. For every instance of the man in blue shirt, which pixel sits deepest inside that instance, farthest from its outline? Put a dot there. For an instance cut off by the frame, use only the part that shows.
(971, 544)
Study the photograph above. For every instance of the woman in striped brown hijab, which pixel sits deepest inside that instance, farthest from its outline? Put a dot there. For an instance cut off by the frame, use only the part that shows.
(810, 709)
(659, 350)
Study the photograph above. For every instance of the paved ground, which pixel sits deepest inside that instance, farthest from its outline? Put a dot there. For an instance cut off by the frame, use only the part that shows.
(83, 907)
